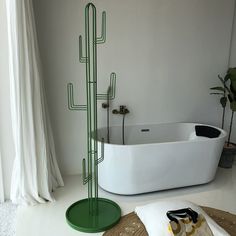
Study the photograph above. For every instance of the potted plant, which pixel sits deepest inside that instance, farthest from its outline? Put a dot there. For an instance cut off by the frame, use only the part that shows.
(228, 93)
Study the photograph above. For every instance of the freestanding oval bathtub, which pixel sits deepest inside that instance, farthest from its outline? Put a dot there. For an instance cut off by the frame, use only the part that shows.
(158, 157)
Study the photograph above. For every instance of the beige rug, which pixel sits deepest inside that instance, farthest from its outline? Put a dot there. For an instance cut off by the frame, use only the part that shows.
(131, 225)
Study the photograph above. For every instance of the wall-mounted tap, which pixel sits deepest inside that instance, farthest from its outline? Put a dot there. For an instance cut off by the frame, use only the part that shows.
(123, 110)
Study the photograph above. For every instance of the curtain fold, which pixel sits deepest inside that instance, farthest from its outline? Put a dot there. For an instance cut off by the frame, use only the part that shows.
(35, 171)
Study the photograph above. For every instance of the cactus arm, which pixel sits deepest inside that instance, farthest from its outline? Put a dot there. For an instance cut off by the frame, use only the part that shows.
(99, 160)
(82, 59)
(112, 90)
(102, 39)
(71, 105)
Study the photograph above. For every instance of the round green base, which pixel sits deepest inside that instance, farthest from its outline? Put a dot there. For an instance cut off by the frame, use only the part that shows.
(78, 217)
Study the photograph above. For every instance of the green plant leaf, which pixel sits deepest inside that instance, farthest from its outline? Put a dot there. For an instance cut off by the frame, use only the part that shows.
(233, 89)
(223, 101)
(232, 74)
(217, 94)
(230, 98)
(221, 79)
(232, 92)
(233, 106)
(218, 89)
(227, 77)
(224, 83)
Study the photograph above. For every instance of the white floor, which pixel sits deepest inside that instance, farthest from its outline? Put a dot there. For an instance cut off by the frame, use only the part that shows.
(49, 219)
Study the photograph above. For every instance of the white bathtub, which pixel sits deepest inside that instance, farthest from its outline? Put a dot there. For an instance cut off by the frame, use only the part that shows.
(158, 157)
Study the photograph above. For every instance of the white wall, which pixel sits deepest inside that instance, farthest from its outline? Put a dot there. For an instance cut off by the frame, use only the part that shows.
(167, 54)
(233, 64)
(6, 140)
(233, 47)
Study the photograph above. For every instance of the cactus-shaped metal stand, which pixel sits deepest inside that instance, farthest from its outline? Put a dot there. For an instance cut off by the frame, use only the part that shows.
(92, 214)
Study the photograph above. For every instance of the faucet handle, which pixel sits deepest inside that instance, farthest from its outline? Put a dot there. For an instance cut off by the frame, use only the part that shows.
(122, 109)
(115, 111)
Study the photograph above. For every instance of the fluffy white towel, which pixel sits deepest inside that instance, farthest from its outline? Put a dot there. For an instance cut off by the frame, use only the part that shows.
(156, 222)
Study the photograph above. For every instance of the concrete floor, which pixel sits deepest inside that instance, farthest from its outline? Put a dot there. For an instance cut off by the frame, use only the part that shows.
(49, 219)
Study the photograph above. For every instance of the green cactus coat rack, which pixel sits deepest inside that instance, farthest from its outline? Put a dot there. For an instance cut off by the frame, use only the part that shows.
(92, 214)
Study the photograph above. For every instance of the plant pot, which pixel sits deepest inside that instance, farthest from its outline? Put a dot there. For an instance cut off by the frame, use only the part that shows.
(227, 156)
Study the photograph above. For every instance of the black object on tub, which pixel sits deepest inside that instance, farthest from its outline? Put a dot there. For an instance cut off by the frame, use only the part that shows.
(207, 131)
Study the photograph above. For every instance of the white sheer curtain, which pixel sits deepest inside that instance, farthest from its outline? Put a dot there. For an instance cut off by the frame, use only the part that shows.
(35, 172)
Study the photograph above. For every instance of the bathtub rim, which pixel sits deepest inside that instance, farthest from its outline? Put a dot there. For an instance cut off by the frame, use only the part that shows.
(222, 135)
